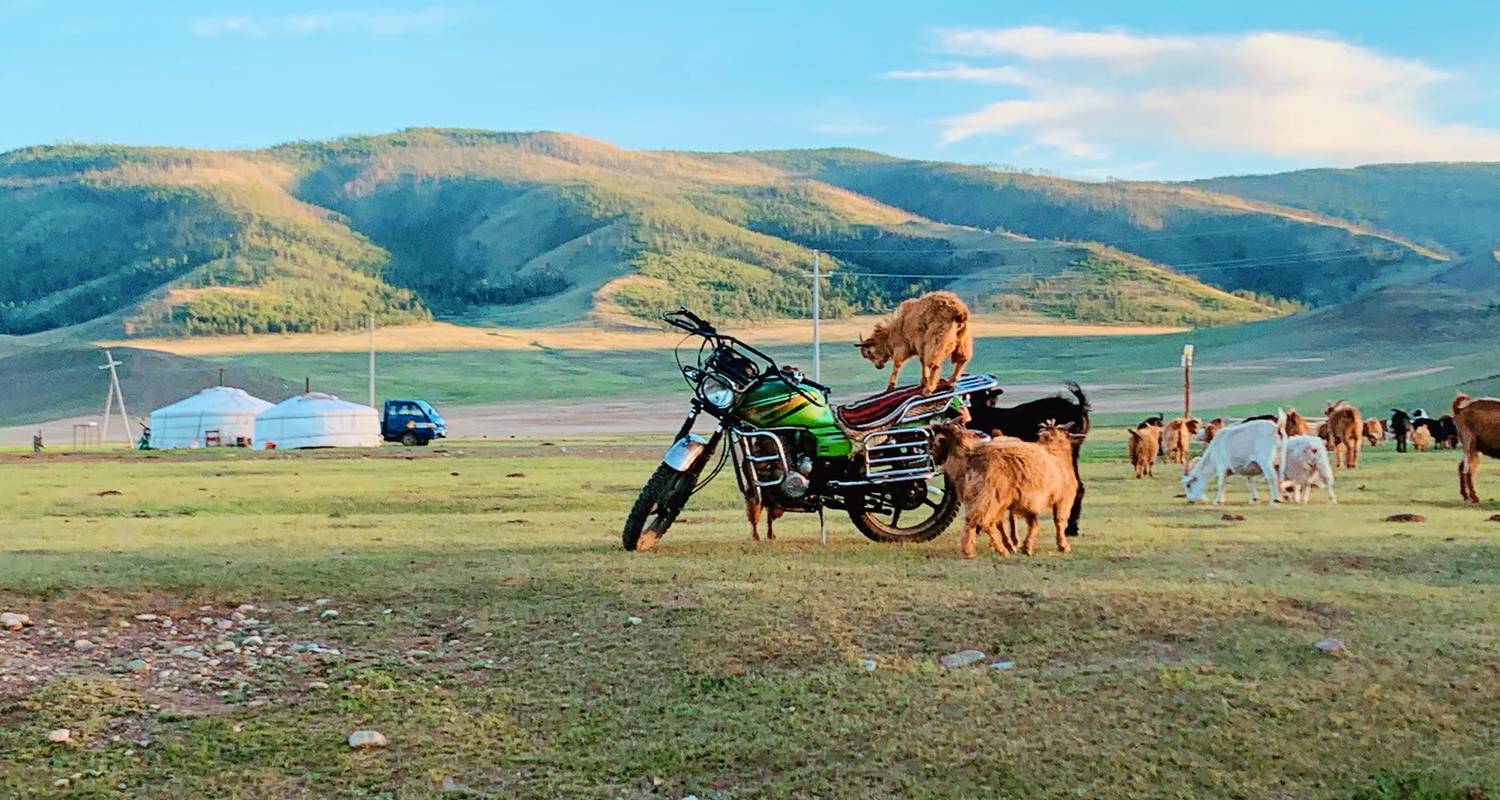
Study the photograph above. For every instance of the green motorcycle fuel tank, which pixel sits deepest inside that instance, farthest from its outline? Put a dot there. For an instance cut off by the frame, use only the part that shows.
(772, 404)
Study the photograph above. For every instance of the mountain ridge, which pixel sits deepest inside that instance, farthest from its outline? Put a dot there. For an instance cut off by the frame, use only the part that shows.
(525, 228)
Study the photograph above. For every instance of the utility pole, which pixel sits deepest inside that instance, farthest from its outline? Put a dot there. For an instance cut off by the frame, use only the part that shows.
(1187, 380)
(372, 361)
(111, 396)
(817, 301)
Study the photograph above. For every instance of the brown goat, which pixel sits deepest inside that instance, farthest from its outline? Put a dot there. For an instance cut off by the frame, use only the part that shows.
(1345, 429)
(1177, 435)
(1009, 477)
(1144, 443)
(1374, 432)
(1421, 439)
(755, 499)
(930, 328)
(1295, 425)
(1478, 423)
(1212, 429)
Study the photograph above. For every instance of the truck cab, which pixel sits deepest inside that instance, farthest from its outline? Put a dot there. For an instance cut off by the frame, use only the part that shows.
(411, 422)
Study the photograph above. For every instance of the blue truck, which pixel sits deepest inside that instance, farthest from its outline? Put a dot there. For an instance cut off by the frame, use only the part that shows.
(411, 422)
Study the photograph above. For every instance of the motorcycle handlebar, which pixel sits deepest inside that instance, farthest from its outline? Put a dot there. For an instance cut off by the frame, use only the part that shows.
(692, 323)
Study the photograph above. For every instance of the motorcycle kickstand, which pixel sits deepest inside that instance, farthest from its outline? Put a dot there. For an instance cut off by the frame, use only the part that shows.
(822, 528)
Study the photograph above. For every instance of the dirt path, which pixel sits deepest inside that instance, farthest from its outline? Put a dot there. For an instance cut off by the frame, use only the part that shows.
(663, 415)
(447, 336)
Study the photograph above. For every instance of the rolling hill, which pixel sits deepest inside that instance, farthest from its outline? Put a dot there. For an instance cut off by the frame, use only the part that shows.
(546, 228)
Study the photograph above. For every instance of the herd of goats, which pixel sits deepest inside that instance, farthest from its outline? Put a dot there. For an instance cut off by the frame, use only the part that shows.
(1021, 462)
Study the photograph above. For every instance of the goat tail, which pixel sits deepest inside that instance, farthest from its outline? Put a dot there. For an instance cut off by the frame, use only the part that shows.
(1460, 401)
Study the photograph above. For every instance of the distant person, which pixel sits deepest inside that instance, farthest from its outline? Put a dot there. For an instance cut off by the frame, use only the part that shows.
(36, 443)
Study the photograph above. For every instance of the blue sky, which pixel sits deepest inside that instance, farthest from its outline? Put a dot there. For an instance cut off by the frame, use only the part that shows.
(1139, 90)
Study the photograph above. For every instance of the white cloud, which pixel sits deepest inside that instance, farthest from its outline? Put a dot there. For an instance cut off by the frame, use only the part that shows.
(964, 72)
(847, 128)
(373, 23)
(1303, 97)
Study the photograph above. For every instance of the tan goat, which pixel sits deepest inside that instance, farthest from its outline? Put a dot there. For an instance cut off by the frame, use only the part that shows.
(1374, 431)
(1478, 423)
(1177, 435)
(1345, 429)
(1295, 425)
(931, 328)
(1144, 444)
(1004, 478)
(1421, 439)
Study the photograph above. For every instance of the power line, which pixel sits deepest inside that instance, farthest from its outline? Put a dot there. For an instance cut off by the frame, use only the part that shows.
(1064, 244)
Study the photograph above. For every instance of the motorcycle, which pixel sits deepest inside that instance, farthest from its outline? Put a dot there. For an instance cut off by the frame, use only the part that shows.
(792, 449)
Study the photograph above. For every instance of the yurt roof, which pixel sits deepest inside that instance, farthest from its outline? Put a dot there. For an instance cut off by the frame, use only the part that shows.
(214, 400)
(313, 404)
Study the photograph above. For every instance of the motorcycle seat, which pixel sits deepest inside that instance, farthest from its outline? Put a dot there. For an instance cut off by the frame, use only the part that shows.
(873, 411)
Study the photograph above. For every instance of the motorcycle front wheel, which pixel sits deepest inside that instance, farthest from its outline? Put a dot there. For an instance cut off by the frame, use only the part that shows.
(657, 507)
(934, 513)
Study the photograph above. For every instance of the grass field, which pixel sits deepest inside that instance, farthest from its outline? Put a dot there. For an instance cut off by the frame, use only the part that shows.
(484, 625)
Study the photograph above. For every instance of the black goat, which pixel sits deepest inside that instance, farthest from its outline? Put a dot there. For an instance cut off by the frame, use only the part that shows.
(1401, 428)
(1444, 431)
(1024, 421)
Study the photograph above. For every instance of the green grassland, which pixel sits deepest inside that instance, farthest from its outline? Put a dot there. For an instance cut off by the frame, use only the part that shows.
(484, 627)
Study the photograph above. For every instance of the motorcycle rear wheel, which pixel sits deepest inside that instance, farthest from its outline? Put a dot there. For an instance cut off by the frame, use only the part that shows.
(887, 528)
(657, 507)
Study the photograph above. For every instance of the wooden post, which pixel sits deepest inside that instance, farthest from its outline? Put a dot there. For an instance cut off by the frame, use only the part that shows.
(1187, 381)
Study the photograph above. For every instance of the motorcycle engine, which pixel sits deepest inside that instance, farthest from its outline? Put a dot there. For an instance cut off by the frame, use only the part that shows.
(798, 449)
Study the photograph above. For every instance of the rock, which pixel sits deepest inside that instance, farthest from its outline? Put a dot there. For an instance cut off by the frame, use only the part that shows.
(245, 608)
(634, 620)
(328, 613)
(224, 624)
(362, 740)
(303, 609)
(251, 641)
(61, 783)
(1495, 518)
(137, 665)
(962, 658)
(226, 647)
(1003, 665)
(317, 685)
(59, 736)
(1332, 647)
(184, 651)
(1233, 517)
(1406, 518)
(145, 617)
(83, 645)
(867, 664)
(13, 621)
(449, 784)
(322, 601)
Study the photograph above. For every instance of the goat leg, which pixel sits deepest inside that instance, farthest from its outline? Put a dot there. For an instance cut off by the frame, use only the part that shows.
(1059, 521)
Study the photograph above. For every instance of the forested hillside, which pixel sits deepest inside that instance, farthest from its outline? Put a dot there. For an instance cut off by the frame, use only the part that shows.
(1454, 207)
(545, 228)
(178, 241)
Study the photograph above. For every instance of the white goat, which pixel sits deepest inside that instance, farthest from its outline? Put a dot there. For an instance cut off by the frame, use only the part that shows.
(1304, 464)
(1248, 449)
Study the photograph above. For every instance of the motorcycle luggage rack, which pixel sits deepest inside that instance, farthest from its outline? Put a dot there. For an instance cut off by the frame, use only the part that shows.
(901, 454)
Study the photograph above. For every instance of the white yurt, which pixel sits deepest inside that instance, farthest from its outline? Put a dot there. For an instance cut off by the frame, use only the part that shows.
(315, 419)
(217, 416)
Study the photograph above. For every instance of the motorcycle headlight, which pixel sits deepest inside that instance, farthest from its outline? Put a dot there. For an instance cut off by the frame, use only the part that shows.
(717, 392)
